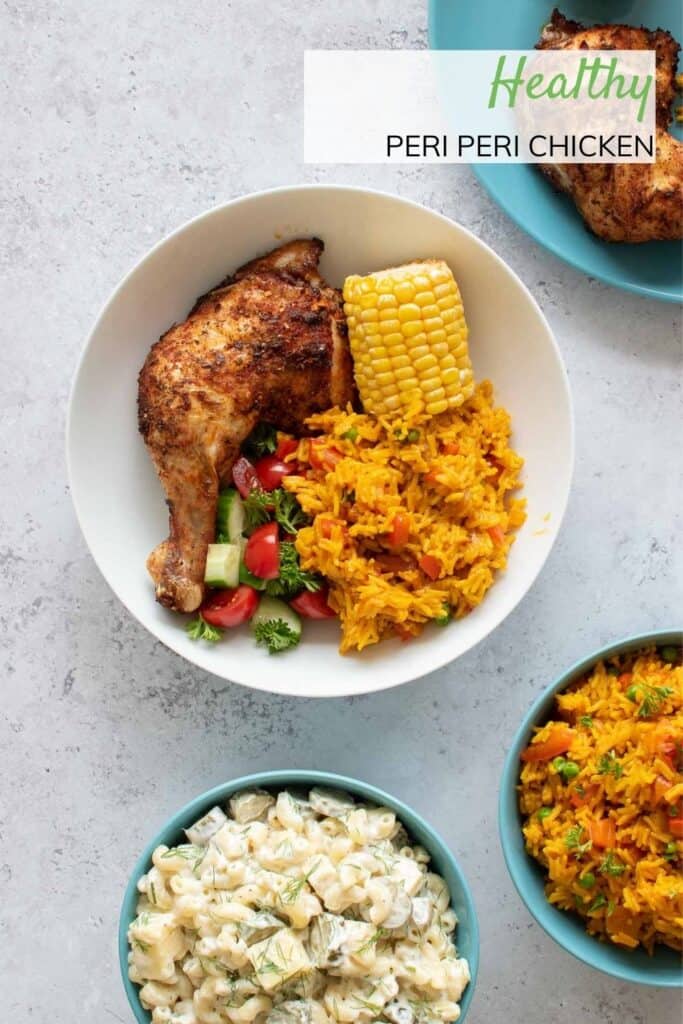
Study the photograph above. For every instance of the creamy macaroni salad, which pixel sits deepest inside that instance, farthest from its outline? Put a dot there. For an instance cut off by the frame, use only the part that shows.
(295, 910)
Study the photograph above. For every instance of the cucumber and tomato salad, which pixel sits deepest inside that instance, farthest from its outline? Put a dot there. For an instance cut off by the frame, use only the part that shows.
(253, 568)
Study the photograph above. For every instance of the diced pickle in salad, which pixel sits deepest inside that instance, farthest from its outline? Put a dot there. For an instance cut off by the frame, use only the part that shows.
(252, 570)
(296, 908)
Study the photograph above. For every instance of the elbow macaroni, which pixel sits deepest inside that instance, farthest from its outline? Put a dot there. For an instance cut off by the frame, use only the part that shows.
(295, 910)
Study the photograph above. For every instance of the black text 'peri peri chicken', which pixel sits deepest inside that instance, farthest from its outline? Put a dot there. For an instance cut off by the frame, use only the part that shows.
(269, 344)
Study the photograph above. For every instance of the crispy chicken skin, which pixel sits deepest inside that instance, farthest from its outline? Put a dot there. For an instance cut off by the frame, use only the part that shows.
(625, 202)
(268, 344)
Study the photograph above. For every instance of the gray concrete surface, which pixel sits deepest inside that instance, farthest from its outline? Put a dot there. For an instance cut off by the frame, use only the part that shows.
(123, 121)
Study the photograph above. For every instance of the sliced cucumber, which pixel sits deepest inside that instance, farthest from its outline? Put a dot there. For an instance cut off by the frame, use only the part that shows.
(230, 515)
(223, 565)
(271, 609)
(248, 577)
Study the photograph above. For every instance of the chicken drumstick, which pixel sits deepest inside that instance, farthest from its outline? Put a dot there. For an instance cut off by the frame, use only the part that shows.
(269, 344)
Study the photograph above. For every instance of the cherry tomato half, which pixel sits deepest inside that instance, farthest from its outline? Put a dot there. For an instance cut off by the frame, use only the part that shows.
(244, 476)
(228, 608)
(271, 471)
(262, 553)
(285, 446)
(313, 605)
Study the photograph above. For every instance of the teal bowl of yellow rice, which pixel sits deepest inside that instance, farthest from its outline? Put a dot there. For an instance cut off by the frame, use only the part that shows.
(572, 793)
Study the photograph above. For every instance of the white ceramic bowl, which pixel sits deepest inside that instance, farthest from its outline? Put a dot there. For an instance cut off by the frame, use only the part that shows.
(120, 504)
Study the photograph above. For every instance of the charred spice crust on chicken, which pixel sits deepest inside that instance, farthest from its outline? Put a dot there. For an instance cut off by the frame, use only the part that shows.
(625, 202)
(267, 344)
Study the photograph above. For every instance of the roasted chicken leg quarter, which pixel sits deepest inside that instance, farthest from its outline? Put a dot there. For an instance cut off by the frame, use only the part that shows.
(268, 344)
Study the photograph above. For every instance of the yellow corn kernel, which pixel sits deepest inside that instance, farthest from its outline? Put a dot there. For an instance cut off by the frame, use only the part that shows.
(367, 316)
(412, 329)
(408, 339)
(409, 311)
(424, 363)
(404, 291)
(405, 373)
(381, 365)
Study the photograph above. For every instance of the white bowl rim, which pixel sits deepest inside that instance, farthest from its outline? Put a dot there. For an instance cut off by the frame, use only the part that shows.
(274, 686)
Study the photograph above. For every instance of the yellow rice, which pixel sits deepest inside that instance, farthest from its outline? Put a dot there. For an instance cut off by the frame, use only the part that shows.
(629, 753)
(452, 501)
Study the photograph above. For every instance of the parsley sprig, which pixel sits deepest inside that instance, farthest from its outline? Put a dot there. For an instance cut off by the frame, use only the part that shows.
(257, 505)
(262, 506)
(292, 578)
(611, 865)
(199, 629)
(610, 765)
(276, 635)
(651, 697)
(573, 841)
(262, 441)
(288, 512)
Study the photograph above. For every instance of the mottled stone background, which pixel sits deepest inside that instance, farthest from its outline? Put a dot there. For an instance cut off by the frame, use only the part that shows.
(122, 121)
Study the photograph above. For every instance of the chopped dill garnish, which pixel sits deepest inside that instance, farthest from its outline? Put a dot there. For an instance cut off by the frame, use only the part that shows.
(366, 1004)
(372, 941)
(290, 893)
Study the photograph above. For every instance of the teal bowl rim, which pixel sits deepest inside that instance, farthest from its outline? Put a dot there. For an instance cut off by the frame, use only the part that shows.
(414, 823)
(565, 928)
(499, 197)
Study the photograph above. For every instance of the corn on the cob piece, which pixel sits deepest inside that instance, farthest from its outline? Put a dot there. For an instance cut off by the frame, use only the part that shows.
(408, 339)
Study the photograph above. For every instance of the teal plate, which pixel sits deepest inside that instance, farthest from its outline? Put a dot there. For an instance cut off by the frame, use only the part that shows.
(652, 268)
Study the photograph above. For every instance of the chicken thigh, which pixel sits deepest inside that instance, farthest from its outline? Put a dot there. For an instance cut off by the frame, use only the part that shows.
(268, 344)
(625, 202)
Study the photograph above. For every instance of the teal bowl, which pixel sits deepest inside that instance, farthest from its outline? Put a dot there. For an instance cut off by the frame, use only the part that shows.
(443, 861)
(654, 269)
(663, 969)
